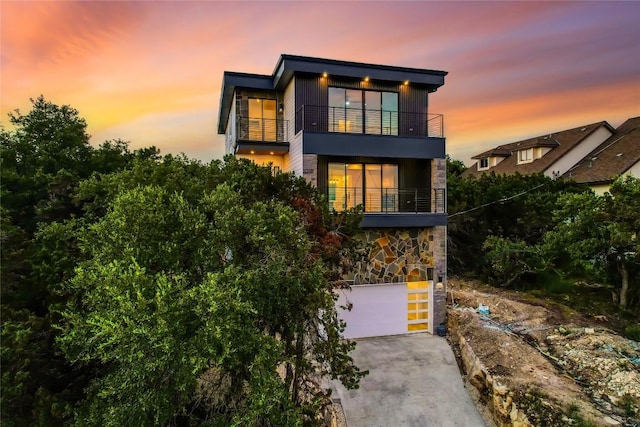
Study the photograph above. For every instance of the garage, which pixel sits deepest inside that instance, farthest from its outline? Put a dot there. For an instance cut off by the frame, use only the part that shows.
(387, 309)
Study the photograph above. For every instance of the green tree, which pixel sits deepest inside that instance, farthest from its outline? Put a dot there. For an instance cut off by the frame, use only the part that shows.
(454, 168)
(598, 235)
(513, 207)
(150, 243)
(509, 261)
(43, 158)
(248, 324)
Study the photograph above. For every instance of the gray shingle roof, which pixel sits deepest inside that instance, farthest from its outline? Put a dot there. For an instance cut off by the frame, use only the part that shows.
(560, 143)
(611, 158)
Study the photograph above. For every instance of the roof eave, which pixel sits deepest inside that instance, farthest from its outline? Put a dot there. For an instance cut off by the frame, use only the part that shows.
(288, 65)
(230, 82)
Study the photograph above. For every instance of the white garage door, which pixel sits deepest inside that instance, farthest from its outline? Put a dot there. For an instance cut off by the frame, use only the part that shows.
(387, 309)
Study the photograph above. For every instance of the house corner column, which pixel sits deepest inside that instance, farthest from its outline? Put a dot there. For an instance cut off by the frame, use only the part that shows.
(310, 168)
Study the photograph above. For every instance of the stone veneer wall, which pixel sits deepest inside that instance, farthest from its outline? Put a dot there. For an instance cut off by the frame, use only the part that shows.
(407, 255)
(396, 255)
(439, 180)
(310, 168)
(440, 267)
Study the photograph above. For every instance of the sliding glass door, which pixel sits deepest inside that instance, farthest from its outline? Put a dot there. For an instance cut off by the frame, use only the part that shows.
(373, 185)
(262, 119)
(345, 185)
(363, 111)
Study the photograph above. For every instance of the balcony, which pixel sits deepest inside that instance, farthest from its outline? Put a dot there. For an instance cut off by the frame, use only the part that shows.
(261, 136)
(392, 207)
(314, 118)
(361, 132)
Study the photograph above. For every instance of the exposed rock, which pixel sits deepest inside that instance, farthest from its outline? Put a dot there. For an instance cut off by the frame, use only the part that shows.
(533, 366)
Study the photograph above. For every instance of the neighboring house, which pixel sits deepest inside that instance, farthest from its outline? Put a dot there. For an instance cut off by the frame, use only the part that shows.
(618, 155)
(553, 154)
(361, 133)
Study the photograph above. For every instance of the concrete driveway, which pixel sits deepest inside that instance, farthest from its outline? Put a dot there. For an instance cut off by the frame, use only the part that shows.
(413, 381)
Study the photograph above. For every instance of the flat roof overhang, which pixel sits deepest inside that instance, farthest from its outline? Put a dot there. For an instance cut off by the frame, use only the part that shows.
(288, 65)
(344, 144)
(256, 147)
(231, 81)
(397, 219)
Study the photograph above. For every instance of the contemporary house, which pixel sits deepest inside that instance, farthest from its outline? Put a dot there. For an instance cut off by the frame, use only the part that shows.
(551, 154)
(364, 135)
(617, 156)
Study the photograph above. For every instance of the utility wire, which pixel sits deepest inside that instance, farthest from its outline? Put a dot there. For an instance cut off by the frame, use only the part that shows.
(504, 199)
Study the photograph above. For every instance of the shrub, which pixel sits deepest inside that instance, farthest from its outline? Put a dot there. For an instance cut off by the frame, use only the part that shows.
(632, 332)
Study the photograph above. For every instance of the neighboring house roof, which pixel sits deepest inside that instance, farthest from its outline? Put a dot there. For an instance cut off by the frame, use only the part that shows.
(288, 65)
(560, 143)
(494, 152)
(612, 158)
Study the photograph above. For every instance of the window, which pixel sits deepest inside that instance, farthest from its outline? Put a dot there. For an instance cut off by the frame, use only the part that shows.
(262, 119)
(525, 156)
(360, 111)
(483, 164)
(373, 185)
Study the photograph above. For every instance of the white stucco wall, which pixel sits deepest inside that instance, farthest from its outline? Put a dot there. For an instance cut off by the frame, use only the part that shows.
(600, 189)
(293, 159)
(230, 133)
(378, 310)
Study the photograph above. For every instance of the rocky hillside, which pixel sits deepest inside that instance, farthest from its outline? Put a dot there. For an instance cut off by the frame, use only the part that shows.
(539, 364)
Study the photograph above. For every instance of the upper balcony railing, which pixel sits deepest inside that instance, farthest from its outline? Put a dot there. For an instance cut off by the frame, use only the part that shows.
(262, 130)
(314, 118)
(388, 200)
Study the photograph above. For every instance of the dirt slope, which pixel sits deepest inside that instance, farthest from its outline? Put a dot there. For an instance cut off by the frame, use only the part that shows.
(541, 364)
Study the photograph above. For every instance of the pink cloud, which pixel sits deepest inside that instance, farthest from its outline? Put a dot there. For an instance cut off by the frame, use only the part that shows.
(135, 67)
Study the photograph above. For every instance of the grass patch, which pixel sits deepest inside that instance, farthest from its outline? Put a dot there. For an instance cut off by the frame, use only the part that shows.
(632, 332)
(544, 411)
(573, 412)
(549, 283)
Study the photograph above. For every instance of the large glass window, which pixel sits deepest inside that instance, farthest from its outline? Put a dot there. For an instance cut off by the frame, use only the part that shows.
(374, 185)
(262, 119)
(358, 111)
(373, 108)
(345, 185)
(389, 113)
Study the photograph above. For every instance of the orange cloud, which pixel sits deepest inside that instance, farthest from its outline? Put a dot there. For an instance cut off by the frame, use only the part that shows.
(138, 70)
(471, 130)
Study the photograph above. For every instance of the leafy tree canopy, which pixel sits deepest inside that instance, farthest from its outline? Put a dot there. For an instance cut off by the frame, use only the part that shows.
(598, 236)
(230, 286)
(159, 290)
(507, 206)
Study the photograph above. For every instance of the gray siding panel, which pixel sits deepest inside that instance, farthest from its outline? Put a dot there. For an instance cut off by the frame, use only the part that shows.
(311, 90)
(376, 220)
(340, 144)
(413, 100)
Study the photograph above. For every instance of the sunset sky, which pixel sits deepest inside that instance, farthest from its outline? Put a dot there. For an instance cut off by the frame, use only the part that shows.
(150, 72)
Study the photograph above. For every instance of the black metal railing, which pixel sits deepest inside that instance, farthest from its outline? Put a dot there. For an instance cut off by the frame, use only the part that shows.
(262, 130)
(387, 200)
(314, 118)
